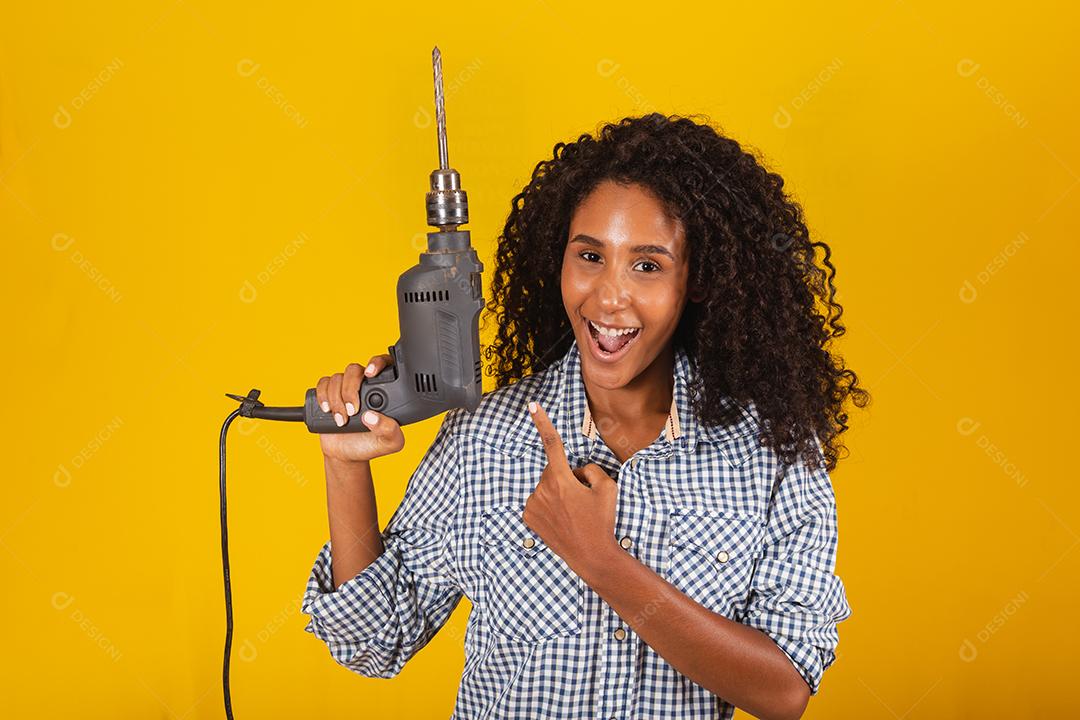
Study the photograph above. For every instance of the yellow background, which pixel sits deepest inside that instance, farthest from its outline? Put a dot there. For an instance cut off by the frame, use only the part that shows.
(197, 200)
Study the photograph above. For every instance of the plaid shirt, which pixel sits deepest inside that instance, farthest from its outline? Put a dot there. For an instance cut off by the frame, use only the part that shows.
(539, 642)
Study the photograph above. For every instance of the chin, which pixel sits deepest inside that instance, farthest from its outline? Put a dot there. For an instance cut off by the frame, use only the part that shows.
(608, 376)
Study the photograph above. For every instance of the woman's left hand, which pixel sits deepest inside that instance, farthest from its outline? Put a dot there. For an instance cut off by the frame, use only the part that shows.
(571, 509)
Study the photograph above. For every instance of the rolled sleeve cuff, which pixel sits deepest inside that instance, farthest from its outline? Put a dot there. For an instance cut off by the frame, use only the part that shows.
(357, 612)
(800, 611)
(810, 661)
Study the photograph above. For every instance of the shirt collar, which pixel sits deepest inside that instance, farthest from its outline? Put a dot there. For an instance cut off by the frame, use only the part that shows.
(567, 405)
(671, 428)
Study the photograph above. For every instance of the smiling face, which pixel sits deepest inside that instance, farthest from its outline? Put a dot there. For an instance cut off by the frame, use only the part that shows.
(625, 267)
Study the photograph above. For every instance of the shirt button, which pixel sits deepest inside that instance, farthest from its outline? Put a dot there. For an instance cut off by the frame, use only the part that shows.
(620, 634)
(722, 556)
(528, 542)
(626, 542)
(633, 462)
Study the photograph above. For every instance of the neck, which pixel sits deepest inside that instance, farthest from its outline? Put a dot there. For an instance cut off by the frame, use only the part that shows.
(648, 394)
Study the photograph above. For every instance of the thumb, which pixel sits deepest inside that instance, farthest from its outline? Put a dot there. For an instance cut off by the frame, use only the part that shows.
(579, 473)
(383, 427)
(598, 477)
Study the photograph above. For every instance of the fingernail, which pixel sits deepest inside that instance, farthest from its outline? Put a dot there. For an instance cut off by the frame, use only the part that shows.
(325, 406)
(338, 419)
(532, 407)
(371, 418)
(350, 408)
(369, 369)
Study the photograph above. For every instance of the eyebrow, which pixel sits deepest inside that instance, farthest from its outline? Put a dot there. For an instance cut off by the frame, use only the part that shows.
(654, 249)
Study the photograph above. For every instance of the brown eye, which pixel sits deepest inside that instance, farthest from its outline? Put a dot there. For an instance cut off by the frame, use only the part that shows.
(648, 262)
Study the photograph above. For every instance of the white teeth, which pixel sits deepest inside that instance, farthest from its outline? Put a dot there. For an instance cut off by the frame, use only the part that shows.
(611, 333)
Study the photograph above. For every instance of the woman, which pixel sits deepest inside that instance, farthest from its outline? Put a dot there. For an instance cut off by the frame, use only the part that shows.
(640, 512)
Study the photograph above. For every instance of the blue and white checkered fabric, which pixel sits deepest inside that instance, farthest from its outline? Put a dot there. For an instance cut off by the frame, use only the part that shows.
(539, 642)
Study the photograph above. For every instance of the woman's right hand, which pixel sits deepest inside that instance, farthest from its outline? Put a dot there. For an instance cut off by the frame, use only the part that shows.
(339, 392)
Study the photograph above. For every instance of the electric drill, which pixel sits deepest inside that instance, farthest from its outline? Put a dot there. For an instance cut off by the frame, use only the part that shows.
(436, 361)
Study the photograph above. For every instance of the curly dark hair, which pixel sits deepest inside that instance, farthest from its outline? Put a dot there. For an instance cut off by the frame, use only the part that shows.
(763, 331)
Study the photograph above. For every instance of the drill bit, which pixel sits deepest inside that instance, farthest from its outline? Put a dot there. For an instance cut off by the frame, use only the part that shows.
(447, 203)
(440, 109)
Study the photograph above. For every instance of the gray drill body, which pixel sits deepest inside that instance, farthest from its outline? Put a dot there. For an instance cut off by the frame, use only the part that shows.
(436, 362)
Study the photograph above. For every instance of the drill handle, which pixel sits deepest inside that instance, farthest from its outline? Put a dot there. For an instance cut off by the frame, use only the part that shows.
(374, 395)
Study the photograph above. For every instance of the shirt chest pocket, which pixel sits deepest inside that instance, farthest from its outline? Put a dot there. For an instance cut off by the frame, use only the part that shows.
(710, 556)
(532, 594)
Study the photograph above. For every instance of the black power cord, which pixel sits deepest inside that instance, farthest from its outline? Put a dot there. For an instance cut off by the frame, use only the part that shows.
(225, 565)
(250, 406)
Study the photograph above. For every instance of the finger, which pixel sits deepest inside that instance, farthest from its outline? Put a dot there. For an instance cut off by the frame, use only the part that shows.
(553, 444)
(337, 405)
(321, 393)
(384, 428)
(579, 473)
(376, 364)
(350, 387)
(596, 475)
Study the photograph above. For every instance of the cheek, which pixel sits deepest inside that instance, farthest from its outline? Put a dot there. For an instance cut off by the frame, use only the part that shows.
(576, 286)
(571, 296)
(662, 304)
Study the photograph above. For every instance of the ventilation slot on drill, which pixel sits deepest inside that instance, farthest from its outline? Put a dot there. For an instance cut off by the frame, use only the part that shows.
(425, 383)
(427, 296)
(477, 372)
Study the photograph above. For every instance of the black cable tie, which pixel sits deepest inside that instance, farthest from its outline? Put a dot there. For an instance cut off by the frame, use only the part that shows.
(247, 404)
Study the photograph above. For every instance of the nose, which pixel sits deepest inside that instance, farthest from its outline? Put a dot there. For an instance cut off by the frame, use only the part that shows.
(613, 294)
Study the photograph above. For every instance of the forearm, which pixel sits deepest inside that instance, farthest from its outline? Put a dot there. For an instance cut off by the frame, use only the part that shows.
(740, 664)
(354, 519)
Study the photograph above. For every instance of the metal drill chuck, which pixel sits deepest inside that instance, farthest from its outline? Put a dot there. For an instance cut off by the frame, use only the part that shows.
(447, 203)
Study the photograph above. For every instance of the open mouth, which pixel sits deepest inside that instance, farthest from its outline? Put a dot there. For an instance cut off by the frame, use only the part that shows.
(608, 346)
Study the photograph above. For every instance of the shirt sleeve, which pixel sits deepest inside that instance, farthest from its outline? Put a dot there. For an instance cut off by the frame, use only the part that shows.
(795, 597)
(375, 622)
